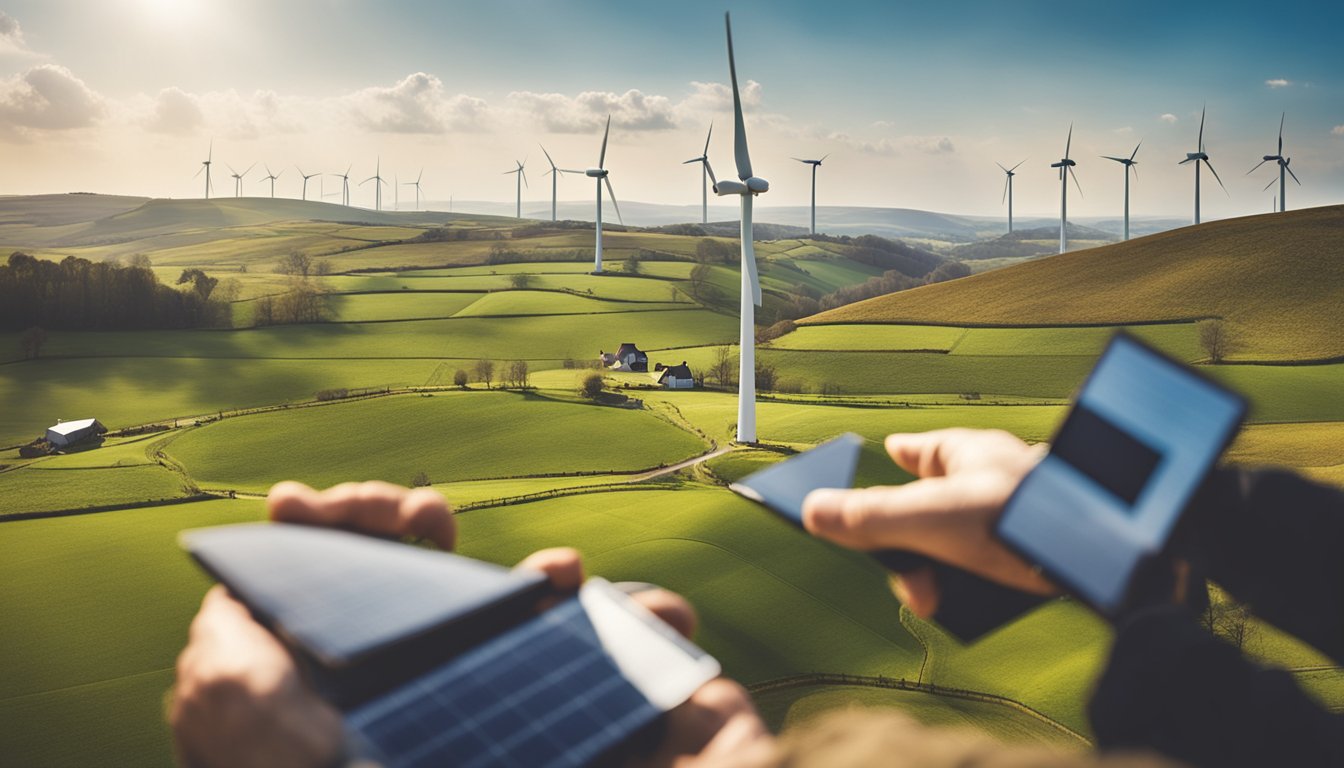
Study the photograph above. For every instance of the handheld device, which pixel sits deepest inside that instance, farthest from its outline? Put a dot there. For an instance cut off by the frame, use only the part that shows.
(968, 607)
(434, 658)
(1138, 443)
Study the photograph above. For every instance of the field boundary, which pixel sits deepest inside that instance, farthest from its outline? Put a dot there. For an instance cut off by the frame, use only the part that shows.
(9, 517)
(840, 679)
(803, 323)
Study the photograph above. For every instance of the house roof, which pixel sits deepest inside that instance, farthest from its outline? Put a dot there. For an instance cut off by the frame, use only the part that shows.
(682, 371)
(628, 346)
(67, 427)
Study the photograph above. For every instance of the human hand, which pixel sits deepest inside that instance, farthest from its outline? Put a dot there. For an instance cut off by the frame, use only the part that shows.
(965, 478)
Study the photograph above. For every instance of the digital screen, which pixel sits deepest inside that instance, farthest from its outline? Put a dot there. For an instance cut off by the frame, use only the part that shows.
(1113, 458)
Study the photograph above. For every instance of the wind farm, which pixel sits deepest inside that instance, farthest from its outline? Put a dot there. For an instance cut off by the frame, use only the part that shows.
(564, 377)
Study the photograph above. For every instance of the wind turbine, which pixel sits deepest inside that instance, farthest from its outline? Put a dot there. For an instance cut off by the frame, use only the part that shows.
(396, 193)
(1065, 167)
(205, 166)
(703, 160)
(1283, 167)
(306, 177)
(1200, 157)
(748, 186)
(238, 178)
(1008, 191)
(554, 173)
(345, 185)
(378, 186)
(815, 165)
(271, 177)
(599, 174)
(522, 179)
(1129, 163)
(416, 184)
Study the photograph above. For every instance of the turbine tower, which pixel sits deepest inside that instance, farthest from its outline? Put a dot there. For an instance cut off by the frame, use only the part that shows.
(1065, 166)
(1129, 163)
(1200, 157)
(345, 185)
(599, 174)
(205, 166)
(1008, 191)
(815, 165)
(703, 160)
(238, 178)
(377, 177)
(306, 177)
(1283, 168)
(416, 184)
(748, 186)
(271, 177)
(554, 173)
(522, 179)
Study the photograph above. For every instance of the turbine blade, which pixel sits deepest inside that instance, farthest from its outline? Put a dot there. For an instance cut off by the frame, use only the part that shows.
(1116, 159)
(713, 182)
(740, 152)
(1135, 168)
(823, 158)
(1136, 151)
(1215, 175)
(1069, 142)
(1202, 112)
(692, 160)
(1015, 167)
(544, 152)
(1257, 165)
(1271, 183)
(199, 171)
(602, 156)
(800, 160)
(612, 194)
(753, 277)
(1281, 119)
(1075, 181)
(1005, 191)
(707, 135)
(1290, 173)
(523, 173)
(1005, 170)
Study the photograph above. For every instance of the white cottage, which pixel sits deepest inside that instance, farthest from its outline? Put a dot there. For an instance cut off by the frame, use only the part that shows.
(66, 433)
(674, 376)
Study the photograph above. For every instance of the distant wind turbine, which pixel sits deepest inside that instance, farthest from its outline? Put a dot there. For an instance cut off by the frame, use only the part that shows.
(205, 166)
(1008, 191)
(1200, 157)
(703, 160)
(416, 184)
(599, 174)
(271, 177)
(345, 185)
(522, 179)
(379, 183)
(815, 165)
(1283, 168)
(306, 177)
(396, 193)
(748, 186)
(554, 173)
(1065, 166)
(238, 178)
(1129, 163)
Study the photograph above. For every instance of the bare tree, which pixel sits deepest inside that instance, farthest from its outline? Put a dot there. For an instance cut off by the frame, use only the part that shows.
(721, 370)
(485, 371)
(1217, 339)
(516, 375)
(1229, 619)
(296, 263)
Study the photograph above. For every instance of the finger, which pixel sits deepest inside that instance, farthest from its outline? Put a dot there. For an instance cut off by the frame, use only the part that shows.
(918, 591)
(671, 608)
(372, 507)
(562, 565)
(921, 453)
(719, 719)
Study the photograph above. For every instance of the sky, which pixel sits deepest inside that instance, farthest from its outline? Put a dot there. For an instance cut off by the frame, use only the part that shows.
(914, 103)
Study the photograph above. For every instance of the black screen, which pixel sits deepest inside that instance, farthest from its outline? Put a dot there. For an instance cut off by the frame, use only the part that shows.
(1113, 458)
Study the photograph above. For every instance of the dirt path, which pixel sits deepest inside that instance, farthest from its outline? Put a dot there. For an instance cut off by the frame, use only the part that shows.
(678, 467)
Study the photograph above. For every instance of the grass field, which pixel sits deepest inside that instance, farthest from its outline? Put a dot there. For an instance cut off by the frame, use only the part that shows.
(39, 489)
(398, 306)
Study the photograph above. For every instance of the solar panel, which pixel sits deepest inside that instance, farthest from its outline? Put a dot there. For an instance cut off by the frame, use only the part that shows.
(496, 687)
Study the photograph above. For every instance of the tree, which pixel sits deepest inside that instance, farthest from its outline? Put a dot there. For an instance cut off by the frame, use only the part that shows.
(765, 376)
(632, 265)
(591, 386)
(460, 378)
(200, 282)
(721, 370)
(520, 281)
(421, 479)
(1217, 339)
(699, 279)
(322, 267)
(140, 260)
(296, 263)
(516, 375)
(485, 371)
(1228, 619)
(32, 341)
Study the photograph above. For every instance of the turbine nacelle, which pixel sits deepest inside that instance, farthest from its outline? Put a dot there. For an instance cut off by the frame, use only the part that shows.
(1272, 157)
(1191, 156)
(1063, 163)
(752, 186)
(596, 173)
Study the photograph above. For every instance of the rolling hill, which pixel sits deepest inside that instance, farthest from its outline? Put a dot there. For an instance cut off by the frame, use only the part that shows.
(1278, 279)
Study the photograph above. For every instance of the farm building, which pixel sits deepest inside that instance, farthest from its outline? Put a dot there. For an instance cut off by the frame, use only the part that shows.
(627, 358)
(66, 433)
(674, 376)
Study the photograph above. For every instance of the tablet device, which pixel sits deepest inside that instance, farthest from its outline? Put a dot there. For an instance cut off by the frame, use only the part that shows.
(968, 606)
(436, 659)
(1140, 440)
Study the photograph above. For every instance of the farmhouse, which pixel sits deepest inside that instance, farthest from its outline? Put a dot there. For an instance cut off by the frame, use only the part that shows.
(627, 358)
(67, 433)
(674, 376)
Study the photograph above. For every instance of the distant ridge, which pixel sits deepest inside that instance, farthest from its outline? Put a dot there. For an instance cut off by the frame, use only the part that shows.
(1277, 278)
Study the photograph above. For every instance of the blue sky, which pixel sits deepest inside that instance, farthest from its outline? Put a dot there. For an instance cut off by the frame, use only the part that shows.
(914, 101)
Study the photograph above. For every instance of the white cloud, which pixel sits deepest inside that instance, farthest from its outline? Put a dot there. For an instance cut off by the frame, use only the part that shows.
(10, 29)
(48, 97)
(718, 97)
(1123, 130)
(632, 110)
(894, 145)
(1338, 130)
(419, 103)
(1167, 118)
(1278, 82)
(176, 112)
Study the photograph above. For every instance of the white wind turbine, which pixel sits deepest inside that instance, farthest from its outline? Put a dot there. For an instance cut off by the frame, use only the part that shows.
(345, 185)
(238, 178)
(748, 186)
(1283, 168)
(600, 175)
(306, 177)
(815, 165)
(1200, 157)
(703, 160)
(271, 177)
(554, 173)
(1008, 191)
(416, 184)
(1065, 166)
(1129, 163)
(205, 166)
(522, 179)
(379, 183)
